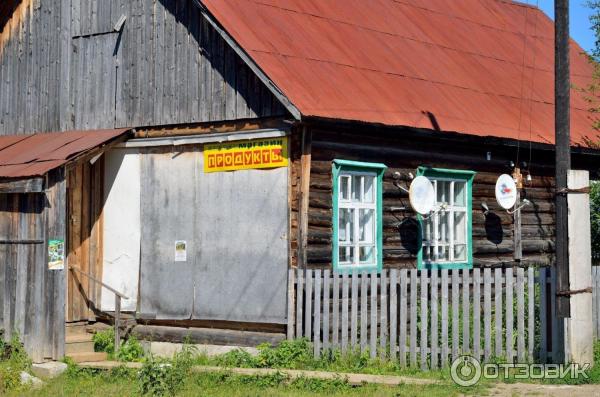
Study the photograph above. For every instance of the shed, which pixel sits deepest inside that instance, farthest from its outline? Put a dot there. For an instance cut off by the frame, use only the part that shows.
(42, 217)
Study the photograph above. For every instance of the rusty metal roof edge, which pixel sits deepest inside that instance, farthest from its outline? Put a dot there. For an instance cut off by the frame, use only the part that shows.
(248, 60)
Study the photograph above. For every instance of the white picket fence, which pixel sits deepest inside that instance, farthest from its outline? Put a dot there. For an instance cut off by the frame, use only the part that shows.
(426, 318)
(596, 300)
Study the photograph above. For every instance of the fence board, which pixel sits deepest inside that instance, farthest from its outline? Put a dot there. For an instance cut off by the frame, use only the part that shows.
(326, 290)
(290, 310)
(520, 315)
(455, 314)
(344, 313)
(299, 302)
(383, 334)
(444, 315)
(354, 311)
(553, 317)
(509, 315)
(317, 316)
(424, 317)
(364, 310)
(413, 317)
(403, 316)
(543, 315)
(434, 319)
(498, 310)
(487, 313)
(393, 313)
(476, 314)
(308, 309)
(466, 308)
(373, 344)
(530, 312)
(594, 303)
(336, 311)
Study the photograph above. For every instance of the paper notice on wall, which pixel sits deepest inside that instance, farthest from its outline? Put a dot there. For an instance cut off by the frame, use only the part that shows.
(247, 154)
(56, 254)
(180, 251)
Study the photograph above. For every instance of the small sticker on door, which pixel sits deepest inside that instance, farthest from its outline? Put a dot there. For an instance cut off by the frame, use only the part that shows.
(180, 251)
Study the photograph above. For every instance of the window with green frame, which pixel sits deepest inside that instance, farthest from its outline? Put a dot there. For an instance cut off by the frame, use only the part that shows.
(357, 216)
(447, 241)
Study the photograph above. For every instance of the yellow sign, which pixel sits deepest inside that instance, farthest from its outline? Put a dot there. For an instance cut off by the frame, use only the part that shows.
(248, 154)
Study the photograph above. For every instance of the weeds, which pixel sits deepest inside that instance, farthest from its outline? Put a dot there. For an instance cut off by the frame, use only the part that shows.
(130, 350)
(13, 360)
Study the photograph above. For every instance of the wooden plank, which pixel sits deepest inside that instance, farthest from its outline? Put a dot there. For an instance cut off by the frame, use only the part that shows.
(354, 312)
(32, 185)
(553, 314)
(344, 313)
(393, 314)
(299, 302)
(317, 316)
(498, 311)
(487, 313)
(444, 315)
(466, 311)
(364, 310)
(596, 284)
(455, 314)
(594, 303)
(424, 317)
(403, 316)
(308, 304)
(373, 342)
(509, 314)
(543, 315)
(84, 282)
(326, 291)
(383, 325)
(413, 317)
(290, 305)
(530, 313)
(434, 319)
(336, 311)
(477, 313)
(304, 195)
(520, 314)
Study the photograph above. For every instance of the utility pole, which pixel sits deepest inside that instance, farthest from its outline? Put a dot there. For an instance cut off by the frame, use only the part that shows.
(563, 165)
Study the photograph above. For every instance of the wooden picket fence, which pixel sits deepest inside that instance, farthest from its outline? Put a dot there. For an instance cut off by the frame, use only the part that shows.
(426, 318)
(596, 300)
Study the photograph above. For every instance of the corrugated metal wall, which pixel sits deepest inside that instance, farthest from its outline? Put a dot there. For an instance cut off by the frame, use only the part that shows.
(63, 67)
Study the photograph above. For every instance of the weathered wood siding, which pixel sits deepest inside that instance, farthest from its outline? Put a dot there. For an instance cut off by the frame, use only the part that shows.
(62, 67)
(492, 235)
(33, 297)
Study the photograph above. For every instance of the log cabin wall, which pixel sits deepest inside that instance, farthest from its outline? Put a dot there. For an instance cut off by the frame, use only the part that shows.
(403, 152)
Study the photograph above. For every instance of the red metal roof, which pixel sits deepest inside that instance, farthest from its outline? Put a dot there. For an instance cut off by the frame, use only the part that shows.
(23, 156)
(481, 67)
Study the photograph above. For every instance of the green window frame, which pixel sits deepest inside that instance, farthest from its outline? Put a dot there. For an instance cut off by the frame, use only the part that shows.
(440, 248)
(346, 172)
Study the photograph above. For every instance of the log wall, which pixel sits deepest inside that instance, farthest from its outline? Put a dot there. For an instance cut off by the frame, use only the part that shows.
(492, 234)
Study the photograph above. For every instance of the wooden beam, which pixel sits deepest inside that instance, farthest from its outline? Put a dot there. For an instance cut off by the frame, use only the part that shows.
(303, 198)
(30, 185)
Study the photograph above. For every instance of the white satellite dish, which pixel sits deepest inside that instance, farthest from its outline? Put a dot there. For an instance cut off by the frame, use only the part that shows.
(506, 191)
(421, 195)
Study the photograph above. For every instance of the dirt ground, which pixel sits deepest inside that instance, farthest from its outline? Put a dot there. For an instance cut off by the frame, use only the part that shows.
(526, 389)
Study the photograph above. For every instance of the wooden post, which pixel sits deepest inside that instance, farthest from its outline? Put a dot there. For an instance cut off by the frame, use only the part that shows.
(303, 196)
(117, 322)
(518, 243)
(563, 164)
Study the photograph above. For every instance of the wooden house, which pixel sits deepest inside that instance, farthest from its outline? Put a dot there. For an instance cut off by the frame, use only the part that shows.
(259, 137)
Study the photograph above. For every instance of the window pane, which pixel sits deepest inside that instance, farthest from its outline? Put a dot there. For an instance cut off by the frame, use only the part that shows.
(443, 228)
(369, 189)
(443, 253)
(367, 225)
(346, 226)
(356, 186)
(443, 192)
(367, 254)
(459, 194)
(344, 184)
(460, 252)
(460, 227)
(346, 254)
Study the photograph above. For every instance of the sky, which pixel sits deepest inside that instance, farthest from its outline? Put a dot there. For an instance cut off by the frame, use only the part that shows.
(579, 20)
